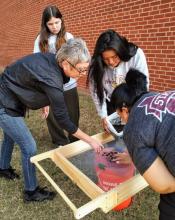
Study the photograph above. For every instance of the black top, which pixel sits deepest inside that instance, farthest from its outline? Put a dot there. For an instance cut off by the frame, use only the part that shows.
(150, 130)
(33, 82)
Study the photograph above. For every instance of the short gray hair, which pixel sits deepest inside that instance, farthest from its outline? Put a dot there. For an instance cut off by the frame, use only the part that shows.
(74, 50)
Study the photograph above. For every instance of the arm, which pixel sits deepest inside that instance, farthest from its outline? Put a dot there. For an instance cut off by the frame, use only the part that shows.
(59, 108)
(159, 178)
(36, 48)
(141, 64)
(147, 160)
(96, 145)
(101, 110)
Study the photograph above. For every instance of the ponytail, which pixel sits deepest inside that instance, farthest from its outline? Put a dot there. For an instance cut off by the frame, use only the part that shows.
(126, 94)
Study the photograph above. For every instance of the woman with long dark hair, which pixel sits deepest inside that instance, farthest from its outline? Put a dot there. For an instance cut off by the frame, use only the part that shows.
(149, 135)
(52, 35)
(113, 56)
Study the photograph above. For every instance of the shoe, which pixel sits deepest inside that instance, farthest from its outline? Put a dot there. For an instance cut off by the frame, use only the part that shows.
(9, 174)
(38, 195)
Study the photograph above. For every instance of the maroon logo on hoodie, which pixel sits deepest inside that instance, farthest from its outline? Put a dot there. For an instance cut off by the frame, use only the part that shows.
(158, 104)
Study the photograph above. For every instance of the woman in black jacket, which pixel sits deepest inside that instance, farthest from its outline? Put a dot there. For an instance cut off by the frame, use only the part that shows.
(27, 84)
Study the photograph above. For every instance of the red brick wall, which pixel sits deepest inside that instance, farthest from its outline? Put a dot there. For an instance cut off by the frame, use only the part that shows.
(148, 23)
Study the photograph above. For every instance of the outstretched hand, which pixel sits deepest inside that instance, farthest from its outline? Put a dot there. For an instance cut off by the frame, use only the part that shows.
(96, 145)
(122, 158)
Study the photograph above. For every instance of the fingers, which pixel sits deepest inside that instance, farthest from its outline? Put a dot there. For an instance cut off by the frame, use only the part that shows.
(98, 150)
(106, 129)
(122, 158)
(105, 125)
(44, 115)
(98, 147)
(45, 112)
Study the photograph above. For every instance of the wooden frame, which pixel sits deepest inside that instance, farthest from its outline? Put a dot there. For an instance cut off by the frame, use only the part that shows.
(99, 199)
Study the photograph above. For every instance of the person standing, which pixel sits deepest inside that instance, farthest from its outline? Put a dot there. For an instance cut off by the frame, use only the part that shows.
(52, 35)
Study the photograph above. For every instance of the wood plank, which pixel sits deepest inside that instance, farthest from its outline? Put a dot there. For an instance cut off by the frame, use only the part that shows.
(42, 156)
(57, 188)
(79, 147)
(74, 148)
(114, 197)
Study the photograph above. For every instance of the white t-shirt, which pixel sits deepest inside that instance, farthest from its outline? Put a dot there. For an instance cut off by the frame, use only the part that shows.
(52, 49)
(115, 76)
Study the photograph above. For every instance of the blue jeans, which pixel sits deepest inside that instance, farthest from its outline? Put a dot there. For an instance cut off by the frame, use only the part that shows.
(16, 131)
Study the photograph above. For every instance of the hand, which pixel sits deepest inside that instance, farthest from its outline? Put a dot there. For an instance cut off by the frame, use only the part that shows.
(96, 145)
(105, 125)
(122, 158)
(45, 112)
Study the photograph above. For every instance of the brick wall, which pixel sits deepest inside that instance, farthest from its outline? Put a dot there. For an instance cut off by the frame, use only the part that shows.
(148, 23)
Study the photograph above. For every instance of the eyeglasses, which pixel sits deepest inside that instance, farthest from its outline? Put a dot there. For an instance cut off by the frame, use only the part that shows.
(80, 71)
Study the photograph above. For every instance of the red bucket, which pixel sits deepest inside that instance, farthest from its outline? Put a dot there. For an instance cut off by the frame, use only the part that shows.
(111, 174)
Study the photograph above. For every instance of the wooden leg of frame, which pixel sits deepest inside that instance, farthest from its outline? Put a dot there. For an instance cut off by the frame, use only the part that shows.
(110, 199)
(62, 194)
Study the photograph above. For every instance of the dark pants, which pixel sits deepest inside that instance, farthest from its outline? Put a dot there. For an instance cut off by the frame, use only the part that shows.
(110, 108)
(167, 207)
(57, 134)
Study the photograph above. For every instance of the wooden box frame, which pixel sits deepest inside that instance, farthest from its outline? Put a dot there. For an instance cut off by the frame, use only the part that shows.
(99, 199)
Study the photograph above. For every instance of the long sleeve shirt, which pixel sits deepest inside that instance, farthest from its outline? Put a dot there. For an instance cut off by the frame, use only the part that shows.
(33, 82)
(52, 49)
(116, 76)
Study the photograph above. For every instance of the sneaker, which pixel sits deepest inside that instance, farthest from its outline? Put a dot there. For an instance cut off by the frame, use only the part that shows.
(38, 195)
(9, 174)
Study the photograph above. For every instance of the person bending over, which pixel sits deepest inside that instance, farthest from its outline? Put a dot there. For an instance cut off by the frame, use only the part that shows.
(113, 56)
(149, 135)
(33, 82)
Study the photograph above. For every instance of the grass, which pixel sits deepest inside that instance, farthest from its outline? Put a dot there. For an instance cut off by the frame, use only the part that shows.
(12, 206)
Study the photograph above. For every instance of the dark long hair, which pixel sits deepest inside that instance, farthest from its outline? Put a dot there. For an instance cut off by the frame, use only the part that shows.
(126, 94)
(106, 41)
(48, 13)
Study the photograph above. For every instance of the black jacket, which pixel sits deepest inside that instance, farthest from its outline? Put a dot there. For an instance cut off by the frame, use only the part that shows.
(33, 82)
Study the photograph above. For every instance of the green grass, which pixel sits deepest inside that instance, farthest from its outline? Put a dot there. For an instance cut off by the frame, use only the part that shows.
(12, 207)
